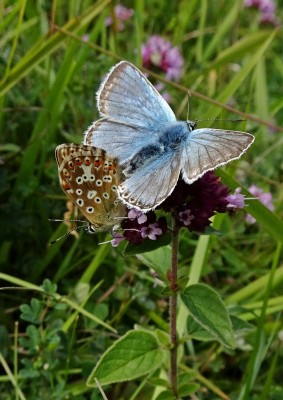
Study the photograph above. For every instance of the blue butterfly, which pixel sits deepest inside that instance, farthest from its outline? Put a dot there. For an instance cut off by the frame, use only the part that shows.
(153, 148)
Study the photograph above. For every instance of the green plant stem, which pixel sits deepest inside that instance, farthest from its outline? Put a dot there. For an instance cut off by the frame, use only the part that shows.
(173, 308)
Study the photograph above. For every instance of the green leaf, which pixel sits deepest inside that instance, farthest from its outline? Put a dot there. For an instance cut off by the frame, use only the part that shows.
(196, 331)
(186, 384)
(135, 354)
(188, 389)
(207, 308)
(156, 381)
(159, 260)
(33, 312)
(49, 287)
(166, 395)
(240, 325)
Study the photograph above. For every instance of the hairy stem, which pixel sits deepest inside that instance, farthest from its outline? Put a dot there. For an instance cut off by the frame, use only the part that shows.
(173, 309)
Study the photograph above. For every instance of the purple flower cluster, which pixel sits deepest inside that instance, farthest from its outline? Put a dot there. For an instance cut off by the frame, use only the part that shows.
(192, 206)
(121, 14)
(264, 197)
(267, 9)
(139, 226)
(159, 53)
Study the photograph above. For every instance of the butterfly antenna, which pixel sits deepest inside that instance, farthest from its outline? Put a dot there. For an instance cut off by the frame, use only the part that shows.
(65, 220)
(68, 233)
(221, 119)
(188, 110)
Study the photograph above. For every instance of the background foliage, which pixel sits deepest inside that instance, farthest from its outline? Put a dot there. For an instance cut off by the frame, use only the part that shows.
(53, 56)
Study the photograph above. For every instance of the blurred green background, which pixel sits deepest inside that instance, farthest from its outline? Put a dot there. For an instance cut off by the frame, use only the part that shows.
(53, 57)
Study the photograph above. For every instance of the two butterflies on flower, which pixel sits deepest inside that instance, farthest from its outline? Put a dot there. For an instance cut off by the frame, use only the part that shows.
(133, 155)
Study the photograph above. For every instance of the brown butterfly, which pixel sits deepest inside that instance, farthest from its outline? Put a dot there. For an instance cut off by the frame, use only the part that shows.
(90, 178)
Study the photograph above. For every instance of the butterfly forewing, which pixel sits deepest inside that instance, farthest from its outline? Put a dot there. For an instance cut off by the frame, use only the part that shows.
(206, 149)
(90, 178)
(133, 113)
(126, 95)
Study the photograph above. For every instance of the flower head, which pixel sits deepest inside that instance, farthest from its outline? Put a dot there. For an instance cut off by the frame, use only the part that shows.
(158, 52)
(267, 9)
(139, 226)
(136, 214)
(194, 204)
(185, 217)
(236, 200)
(121, 13)
(264, 197)
(117, 238)
(151, 231)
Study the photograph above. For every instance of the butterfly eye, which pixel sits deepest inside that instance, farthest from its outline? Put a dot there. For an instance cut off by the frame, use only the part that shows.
(80, 202)
(106, 195)
(79, 192)
(114, 188)
(92, 178)
(90, 210)
(87, 161)
(78, 161)
(79, 180)
(97, 200)
(91, 229)
(99, 182)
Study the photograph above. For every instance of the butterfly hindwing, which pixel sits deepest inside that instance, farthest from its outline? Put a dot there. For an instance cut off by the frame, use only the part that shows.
(151, 185)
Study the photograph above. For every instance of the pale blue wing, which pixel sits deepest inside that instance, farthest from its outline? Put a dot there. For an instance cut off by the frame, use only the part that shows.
(206, 149)
(118, 139)
(151, 185)
(126, 95)
(133, 113)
